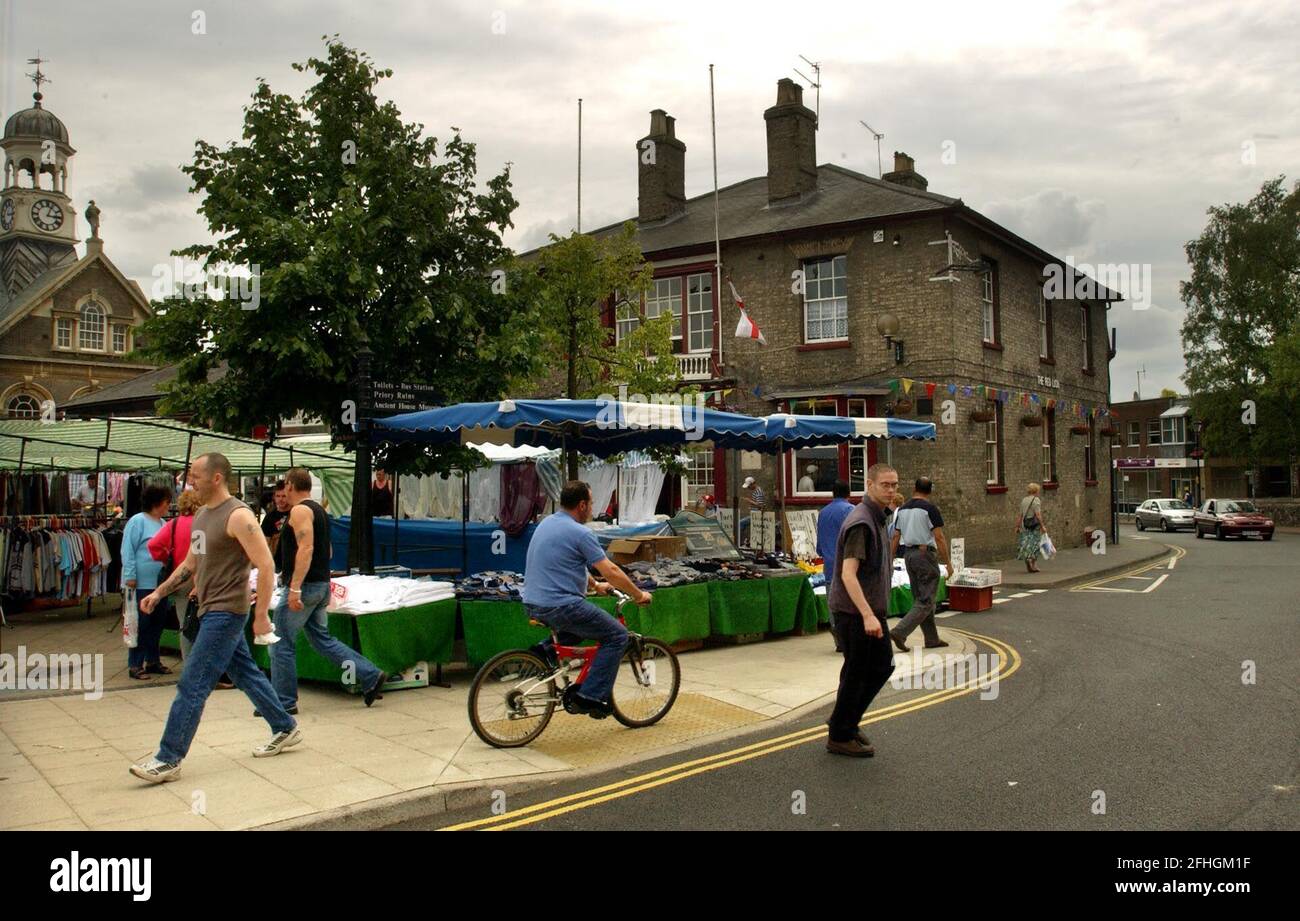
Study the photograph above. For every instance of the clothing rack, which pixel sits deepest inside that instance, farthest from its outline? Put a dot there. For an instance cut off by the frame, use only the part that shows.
(59, 521)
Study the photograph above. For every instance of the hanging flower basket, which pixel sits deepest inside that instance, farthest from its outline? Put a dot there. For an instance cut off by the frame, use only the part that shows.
(903, 406)
(1031, 422)
(1109, 431)
(1078, 430)
(982, 415)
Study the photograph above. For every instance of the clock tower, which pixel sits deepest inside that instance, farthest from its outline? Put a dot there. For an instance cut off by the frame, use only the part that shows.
(37, 221)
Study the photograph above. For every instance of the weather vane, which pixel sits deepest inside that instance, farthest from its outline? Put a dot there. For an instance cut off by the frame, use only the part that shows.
(38, 78)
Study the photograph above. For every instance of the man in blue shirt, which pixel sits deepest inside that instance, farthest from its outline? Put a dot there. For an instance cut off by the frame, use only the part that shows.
(918, 529)
(829, 522)
(556, 580)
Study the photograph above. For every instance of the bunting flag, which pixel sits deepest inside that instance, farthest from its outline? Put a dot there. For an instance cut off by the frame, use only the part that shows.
(952, 390)
(992, 393)
(907, 385)
(980, 389)
(1051, 404)
(966, 391)
(929, 391)
(746, 328)
(893, 385)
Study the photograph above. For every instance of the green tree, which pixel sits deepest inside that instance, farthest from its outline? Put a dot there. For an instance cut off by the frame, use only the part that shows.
(1242, 323)
(1166, 392)
(359, 228)
(569, 282)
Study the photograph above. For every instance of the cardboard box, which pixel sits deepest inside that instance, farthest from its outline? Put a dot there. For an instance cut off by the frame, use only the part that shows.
(646, 549)
(969, 600)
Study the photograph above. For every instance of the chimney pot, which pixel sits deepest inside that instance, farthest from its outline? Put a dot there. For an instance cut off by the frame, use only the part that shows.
(791, 144)
(905, 174)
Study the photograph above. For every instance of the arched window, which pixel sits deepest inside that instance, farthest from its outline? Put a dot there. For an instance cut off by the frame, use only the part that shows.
(92, 327)
(24, 406)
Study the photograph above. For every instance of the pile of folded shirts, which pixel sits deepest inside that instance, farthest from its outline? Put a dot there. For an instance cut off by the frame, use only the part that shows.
(492, 585)
(367, 594)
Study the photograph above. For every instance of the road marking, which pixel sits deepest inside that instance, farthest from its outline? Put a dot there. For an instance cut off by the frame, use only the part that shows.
(1037, 591)
(1100, 585)
(1156, 584)
(948, 614)
(1001, 600)
(1020, 595)
(1007, 655)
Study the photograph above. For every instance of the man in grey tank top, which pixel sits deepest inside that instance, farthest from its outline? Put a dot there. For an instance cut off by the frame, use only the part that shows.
(225, 542)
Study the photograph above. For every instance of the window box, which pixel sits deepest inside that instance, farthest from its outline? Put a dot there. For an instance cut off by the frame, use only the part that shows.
(1089, 482)
(1078, 430)
(1031, 422)
(993, 346)
(995, 490)
(1109, 431)
(1051, 485)
(981, 415)
(822, 346)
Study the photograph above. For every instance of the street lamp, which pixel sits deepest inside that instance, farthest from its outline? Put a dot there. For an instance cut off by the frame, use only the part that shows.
(887, 326)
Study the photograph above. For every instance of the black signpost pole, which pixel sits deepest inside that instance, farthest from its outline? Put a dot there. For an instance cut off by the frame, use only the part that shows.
(361, 548)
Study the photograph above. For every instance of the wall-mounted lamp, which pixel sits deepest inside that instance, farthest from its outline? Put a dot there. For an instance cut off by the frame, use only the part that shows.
(887, 326)
(898, 239)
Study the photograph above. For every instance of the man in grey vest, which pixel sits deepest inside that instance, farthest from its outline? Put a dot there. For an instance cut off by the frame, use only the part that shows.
(918, 528)
(859, 602)
(225, 542)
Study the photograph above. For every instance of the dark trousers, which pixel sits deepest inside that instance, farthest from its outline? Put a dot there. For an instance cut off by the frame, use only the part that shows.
(146, 651)
(868, 663)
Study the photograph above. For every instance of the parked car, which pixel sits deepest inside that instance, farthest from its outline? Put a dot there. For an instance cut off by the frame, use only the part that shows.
(1165, 514)
(1225, 517)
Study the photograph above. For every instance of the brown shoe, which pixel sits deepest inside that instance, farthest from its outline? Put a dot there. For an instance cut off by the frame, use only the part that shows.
(853, 748)
(862, 737)
(938, 645)
(902, 646)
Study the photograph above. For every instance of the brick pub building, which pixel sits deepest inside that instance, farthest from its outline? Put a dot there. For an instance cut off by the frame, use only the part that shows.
(863, 246)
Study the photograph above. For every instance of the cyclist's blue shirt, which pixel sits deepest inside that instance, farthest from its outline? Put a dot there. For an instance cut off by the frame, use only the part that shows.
(559, 553)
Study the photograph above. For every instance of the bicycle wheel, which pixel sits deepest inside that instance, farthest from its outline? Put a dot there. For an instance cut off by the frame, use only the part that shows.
(646, 684)
(510, 701)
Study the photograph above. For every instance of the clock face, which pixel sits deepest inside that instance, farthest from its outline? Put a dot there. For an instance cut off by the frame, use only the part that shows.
(7, 214)
(47, 215)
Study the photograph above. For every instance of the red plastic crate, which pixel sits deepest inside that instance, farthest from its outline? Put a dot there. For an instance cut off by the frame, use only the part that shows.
(969, 599)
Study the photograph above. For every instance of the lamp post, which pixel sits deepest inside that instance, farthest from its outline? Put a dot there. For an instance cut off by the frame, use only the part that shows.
(887, 326)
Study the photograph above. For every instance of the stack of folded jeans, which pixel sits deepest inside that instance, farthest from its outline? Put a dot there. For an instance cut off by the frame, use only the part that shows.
(493, 585)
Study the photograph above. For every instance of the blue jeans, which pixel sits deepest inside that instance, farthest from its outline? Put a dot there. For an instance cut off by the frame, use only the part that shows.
(313, 620)
(146, 651)
(220, 647)
(591, 623)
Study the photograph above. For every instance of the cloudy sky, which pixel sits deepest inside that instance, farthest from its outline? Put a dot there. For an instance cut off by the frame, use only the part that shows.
(1099, 130)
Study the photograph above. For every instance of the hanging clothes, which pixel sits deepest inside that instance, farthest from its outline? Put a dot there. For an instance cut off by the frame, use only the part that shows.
(522, 497)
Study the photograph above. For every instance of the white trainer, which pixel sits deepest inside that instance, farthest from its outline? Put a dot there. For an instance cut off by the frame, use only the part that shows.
(155, 771)
(279, 742)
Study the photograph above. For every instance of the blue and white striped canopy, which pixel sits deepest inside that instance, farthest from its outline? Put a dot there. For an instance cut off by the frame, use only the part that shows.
(603, 427)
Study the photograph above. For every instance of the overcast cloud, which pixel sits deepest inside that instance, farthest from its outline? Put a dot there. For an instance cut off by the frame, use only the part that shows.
(1099, 130)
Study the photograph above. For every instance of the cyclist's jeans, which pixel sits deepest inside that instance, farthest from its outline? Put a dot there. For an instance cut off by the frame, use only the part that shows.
(591, 623)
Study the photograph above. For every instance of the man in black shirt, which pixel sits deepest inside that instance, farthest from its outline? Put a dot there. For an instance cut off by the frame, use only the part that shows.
(273, 520)
(304, 564)
(859, 602)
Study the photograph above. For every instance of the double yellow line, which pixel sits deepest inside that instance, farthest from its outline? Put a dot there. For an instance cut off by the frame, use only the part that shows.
(1008, 664)
(1165, 562)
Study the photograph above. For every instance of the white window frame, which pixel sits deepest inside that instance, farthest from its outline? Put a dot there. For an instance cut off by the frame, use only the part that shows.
(62, 324)
(699, 465)
(1048, 455)
(627, 317)
(987, 307)
(126, 338)
(656, 301)
(816, 297)
(1084, 334)
(991, 471)
(699, 311)
(857, 409)
(88, 310)
(1135, 434)
(1044, 341)
(35, 407)
(1153, 432)
(1169, 430)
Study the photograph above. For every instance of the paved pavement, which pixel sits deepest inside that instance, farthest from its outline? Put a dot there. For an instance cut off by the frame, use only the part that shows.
(1121, 706)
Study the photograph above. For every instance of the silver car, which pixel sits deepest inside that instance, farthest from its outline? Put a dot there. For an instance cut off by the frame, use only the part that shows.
(1165, 514)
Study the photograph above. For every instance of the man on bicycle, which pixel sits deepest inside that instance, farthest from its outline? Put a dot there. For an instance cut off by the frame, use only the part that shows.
(556, 580)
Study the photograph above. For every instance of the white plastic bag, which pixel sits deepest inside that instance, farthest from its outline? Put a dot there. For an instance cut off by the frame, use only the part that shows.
(1047, 549)
(130, 618)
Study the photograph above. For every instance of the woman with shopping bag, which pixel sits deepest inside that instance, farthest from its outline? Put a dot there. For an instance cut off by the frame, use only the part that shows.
(139, 577)
(1030, 527)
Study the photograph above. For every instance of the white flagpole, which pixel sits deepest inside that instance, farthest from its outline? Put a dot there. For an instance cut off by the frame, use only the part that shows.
(579, 165)
(717, 239)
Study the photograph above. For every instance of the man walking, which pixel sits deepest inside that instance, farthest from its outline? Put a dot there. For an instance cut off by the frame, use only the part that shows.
(556, 581)
(859, 603)
(755, 504)
(829, 521)
(225, 542)
(918, 529)
(305, 570)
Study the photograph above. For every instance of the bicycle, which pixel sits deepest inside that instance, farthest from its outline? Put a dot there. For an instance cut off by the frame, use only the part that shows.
(515, 693)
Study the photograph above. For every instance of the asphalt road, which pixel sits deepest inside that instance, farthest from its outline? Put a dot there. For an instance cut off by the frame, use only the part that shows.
(1127, 710)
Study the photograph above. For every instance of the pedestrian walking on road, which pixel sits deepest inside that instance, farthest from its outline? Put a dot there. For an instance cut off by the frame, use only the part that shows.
(225, 545)
(918, 532)
(859, 602)
(829, 522)
(1029, 527)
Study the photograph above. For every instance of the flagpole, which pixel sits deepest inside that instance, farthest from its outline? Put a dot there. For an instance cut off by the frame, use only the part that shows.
(579, 228)
(717, 239)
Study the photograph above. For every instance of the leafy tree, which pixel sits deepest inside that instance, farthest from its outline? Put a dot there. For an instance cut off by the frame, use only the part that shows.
(569, 282)
(1242, 323)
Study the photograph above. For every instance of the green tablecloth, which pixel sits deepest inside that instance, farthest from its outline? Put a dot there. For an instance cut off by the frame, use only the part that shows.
(793, 604)
(676, 614)
(495, 626)
(900, 601)
(737, 608)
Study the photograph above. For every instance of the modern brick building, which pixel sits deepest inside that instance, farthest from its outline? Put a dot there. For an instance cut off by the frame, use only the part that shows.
(827, 260)
(67, 322)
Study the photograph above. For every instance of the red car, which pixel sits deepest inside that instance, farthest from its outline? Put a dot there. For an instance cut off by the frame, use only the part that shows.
(1239, 517)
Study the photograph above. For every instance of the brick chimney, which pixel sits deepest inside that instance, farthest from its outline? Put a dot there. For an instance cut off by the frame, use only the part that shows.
(905, 173)
(661, 170)
(791, 144)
